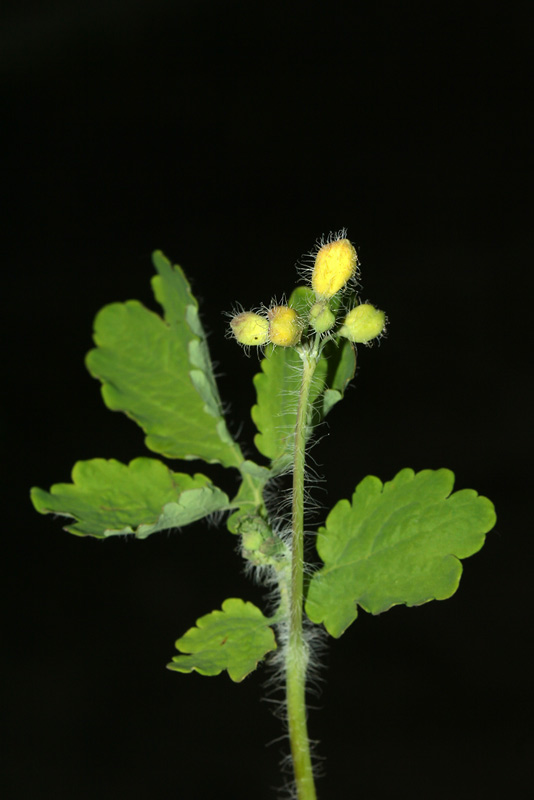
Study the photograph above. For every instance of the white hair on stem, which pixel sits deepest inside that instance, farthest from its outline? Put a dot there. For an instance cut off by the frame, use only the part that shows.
(276, 577)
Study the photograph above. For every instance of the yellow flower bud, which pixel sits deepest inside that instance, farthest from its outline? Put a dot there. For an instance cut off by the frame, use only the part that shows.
(363, 323)
(335, 264)
(250, 328)
(321, 317)
(284, 326)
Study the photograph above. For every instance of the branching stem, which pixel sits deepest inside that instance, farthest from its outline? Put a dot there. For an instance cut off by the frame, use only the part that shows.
(297, 648)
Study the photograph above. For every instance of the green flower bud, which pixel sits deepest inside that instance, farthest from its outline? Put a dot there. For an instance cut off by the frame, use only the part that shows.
(322, 319)
(250, 328)
(254, 532)
(260, 545)
(363, 323)
(252, 540)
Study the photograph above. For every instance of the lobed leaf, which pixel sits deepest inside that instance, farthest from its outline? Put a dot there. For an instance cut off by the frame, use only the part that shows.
(108, 498)
(158, 371)
(236, 639)
(278, 383)
(397, 543)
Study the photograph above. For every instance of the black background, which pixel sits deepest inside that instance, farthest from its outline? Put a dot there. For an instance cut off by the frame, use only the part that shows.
(232, 135)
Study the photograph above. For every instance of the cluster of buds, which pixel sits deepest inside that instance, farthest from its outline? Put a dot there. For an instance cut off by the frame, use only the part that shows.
(335, 267)
(260, 545)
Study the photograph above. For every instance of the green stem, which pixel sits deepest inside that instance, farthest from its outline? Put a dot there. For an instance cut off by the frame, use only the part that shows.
(297, 648)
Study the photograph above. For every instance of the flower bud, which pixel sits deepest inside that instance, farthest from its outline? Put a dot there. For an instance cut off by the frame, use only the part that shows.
(250, 328)
(335, 264)
(284, 326)
(259, 544)
(363, 323)
(321, 318)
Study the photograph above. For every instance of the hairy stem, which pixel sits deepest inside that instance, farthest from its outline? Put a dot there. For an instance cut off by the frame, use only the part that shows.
(297, 648)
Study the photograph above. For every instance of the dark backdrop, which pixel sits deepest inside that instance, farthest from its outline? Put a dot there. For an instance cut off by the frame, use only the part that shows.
(231, 135)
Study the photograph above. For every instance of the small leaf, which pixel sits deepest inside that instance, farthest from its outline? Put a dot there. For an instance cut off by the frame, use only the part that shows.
(397, 543)
(340, 358)
(108, 498)
(236, 639)
(159, 371)
(278, 383)
(277, 388)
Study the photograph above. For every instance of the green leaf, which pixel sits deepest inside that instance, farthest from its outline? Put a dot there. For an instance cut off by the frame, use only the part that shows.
(277, 387)
(398, 542)
(236, 639)
(278, 383)
(340, 366)
(158, 371)
(108, 498)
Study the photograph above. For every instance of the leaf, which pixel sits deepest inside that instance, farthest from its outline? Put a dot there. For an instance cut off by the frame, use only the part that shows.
(398, 542)
(158, 371)
(108, 498)
(340, 361)
(278, 383)
(236, 639)
(277, 387)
